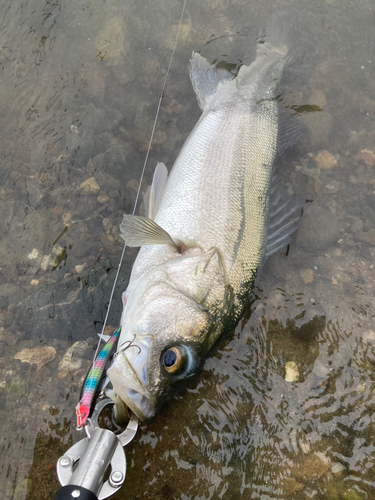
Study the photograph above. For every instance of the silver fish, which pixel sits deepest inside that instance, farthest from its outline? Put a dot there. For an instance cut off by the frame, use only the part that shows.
(210, 226)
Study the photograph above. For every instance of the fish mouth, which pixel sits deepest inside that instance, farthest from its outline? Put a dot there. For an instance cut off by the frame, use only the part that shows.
(128, 375)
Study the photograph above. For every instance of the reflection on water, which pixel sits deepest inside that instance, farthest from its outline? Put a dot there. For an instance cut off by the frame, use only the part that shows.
(284, 407)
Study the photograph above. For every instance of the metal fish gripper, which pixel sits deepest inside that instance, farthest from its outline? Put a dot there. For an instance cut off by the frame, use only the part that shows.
(81, 470)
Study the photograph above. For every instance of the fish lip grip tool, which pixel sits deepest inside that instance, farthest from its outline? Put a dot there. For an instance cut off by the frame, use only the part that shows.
(82, 468)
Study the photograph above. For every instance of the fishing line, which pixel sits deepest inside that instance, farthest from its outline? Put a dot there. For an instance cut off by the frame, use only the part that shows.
(142, 175)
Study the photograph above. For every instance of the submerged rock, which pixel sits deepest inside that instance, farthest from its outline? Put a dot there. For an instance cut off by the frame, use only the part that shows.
(325, 160)
(39, 357)
(291, 371)
(307, 275)
(72, 359)
(319, 230)
(90, 186)
(312, 466)
(368, 157)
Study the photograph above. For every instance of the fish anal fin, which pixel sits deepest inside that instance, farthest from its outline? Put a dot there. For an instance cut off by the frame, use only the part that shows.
(291, 129)
(285, 217)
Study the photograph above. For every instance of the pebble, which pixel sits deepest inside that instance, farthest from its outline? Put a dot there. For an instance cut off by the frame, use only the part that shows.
(369, 336)
(108, 244)
(33, 254)
(337, 469)
(307, 275)
(90, 186)
(34, 282)
(333, 187)
(291, 371)
(159, 137)
(80, 267)
(107, 225)
(325, 160)
(361, 387)
(3, 384)
(368, 157)
(102, 198)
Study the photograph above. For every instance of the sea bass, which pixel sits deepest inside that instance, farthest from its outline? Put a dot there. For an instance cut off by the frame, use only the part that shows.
(210, 226)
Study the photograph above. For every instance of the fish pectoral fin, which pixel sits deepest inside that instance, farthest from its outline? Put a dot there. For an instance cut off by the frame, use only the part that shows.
(138, 231)
(157, 189)
(285, 217)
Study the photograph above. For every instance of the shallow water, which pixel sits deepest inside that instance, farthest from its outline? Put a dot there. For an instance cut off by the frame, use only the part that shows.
(80, 88)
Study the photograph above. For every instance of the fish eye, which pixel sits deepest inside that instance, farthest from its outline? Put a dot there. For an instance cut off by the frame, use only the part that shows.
(173, 359)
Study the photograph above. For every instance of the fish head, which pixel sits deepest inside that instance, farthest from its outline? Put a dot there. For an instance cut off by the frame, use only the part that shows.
(170, 322)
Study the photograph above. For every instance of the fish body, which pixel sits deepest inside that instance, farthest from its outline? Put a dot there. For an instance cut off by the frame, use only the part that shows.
(216, 208)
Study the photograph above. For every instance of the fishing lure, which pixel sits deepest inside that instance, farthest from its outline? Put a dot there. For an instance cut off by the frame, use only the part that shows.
(92, 382)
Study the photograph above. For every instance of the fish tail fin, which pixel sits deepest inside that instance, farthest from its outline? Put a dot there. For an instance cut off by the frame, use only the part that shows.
(274, 51)
(206, 78)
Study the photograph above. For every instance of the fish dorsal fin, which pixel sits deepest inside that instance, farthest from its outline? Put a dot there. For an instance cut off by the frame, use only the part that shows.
(138, 231)
(205, 78)
(157, 189)
(285, 217)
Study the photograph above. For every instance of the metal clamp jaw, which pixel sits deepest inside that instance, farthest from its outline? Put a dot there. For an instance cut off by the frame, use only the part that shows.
(82, 468)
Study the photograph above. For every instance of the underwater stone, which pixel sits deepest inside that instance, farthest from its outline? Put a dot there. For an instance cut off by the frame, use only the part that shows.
(291, 371)
(312, 466)
(90, 186)
(368, 237)
(102, 198)
(38, 356)
(325, 160)
(72, 359)
(307, 275)
(337, 469)
(290, 485)
(368, 157)
(319, 230)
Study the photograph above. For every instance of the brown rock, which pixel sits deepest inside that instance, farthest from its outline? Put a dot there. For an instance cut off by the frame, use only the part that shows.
(291, 372)
(290, 485)
(38, 357)
(368, 237)
(368, 157)
(108, 244)
(159, 137)
(325, 160)
(72, 360)
(312, 466)
(90, 186)
(307, 275)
